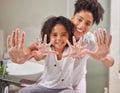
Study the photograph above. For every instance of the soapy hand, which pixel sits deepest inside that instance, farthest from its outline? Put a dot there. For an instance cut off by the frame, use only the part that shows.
(76, 50)
(102, 45)
(15, 47)
(43, 49)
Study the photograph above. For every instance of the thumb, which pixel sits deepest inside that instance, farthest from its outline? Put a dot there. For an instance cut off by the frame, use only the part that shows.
(28, 56)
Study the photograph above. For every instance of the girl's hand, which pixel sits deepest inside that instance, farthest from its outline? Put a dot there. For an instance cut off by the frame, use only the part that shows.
(43, 49)
(15, 47)
(102, 45)
(76, 50)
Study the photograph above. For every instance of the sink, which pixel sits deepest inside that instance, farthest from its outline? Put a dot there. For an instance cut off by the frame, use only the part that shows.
(29, 70)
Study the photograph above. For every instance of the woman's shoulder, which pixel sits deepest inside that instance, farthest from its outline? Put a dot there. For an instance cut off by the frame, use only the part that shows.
(89, 39)
(88, 35)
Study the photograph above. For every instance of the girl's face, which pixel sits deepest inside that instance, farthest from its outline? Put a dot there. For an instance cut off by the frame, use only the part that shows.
(83, 22)
(59, 37)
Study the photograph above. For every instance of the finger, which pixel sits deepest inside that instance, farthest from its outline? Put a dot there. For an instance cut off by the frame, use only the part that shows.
(49, 44)
(13, 38)
(74, 41)
(73, 55)
(17, 37)
(101, 36)
(96, 39)
(8, 42)
(36, 55)
(45, 39)
(110, 40)
(49, 52)
(22, 40)
(53, 52)
(105, 36)
(38, 41)
(67, 55)
(85, 46)
(69, 44)
(80, 41)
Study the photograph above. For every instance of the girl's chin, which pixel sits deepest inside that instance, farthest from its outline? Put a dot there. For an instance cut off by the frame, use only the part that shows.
(59, 47)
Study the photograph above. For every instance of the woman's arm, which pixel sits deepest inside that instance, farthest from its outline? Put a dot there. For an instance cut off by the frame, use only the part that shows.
(17, 52)
(108, 61)
(101, 51)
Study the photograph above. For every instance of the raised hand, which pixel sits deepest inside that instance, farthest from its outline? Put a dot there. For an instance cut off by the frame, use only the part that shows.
(15, 47)
(76, 50)
(102, 45)
(43, 49)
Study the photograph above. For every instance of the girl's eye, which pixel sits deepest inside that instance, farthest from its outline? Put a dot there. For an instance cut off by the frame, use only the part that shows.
(63, 35)
(80, 20)
(54, 35)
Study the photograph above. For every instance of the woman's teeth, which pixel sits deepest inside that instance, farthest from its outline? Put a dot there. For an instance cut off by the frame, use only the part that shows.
(79, 30)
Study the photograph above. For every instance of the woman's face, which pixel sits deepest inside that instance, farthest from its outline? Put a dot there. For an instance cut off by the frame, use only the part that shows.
(59, 37)
(83, 22)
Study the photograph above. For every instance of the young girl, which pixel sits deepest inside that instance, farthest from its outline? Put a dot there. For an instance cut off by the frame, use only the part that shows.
(57, 76)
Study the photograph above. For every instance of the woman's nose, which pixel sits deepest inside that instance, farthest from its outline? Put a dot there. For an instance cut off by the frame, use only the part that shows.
(81, 25)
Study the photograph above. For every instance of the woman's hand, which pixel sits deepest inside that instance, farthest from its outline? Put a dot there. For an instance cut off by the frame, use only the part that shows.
(102, 45)
(15, 47)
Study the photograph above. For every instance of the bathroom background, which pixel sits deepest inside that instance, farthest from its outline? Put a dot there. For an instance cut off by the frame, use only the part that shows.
(28, 15)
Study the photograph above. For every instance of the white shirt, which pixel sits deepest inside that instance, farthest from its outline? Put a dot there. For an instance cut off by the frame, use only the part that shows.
(80, 64)
(58, 73)
(67, 72)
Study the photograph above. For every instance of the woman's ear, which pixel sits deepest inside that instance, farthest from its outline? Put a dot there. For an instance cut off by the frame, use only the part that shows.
(72, 17)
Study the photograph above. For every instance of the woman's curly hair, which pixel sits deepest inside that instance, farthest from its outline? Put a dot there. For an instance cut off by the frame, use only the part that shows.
(90, 5)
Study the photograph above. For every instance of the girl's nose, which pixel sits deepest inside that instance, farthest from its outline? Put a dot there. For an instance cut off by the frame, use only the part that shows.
(58, 37)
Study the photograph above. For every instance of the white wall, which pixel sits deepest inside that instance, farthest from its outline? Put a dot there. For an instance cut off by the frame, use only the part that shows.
(28, 15)
(114, 80)
(1, 44)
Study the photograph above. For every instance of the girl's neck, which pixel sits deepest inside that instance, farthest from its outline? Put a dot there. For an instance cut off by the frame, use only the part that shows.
(60, 52)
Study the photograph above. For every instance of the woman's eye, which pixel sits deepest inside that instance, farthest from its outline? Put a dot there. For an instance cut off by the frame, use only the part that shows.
(88, 24)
